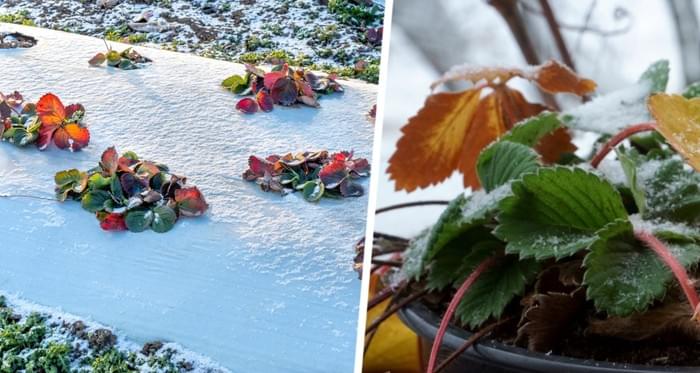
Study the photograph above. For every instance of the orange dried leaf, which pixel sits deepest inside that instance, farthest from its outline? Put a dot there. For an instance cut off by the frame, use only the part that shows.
(450, 131)
(433, 141)
(554, 77)
(678, 120)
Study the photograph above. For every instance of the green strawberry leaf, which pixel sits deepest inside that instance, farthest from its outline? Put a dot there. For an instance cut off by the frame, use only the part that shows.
(623, 276)
(692, 91)
(495, 288)
(115, 186)
(504, 161)
(530, 131)
(138, 220)
(164, 219)
(460, 257)
(94, 200)
(69, 181)
(97, 181)
(657, 74)
(630, 159)
(672, 192)
(413, 262)
(555, 212)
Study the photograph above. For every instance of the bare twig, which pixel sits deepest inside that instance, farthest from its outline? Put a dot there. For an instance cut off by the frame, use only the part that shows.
(469, 342)
(409, 204)
(556, 34)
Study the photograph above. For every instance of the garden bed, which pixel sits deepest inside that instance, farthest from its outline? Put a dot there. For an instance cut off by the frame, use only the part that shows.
(259, 283)
(303, 31)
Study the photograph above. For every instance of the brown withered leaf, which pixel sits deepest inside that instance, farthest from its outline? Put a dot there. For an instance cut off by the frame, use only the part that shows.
(452, 128)
(673, 318)
(548, 317)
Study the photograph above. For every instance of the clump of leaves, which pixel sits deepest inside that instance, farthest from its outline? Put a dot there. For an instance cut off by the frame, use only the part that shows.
(128, 59)
(12, 40)
(281, 86)
(47, 121)
(314, 174)
(128, 193)
(546, 238)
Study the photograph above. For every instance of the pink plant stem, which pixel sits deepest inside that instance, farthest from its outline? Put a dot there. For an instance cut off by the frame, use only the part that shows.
(676, 267)
(481, 268)
(612, 143)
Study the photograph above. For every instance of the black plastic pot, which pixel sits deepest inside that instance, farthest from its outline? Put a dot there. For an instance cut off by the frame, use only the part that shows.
(494, 357)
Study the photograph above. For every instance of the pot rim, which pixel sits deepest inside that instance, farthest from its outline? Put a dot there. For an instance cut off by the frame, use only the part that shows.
(424, 322)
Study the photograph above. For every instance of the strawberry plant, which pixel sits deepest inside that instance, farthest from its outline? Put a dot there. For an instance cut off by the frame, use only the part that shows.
(549, 247)
(128, 193)
(128, 59)
(281, 86)
(47, 121)
(314, 174)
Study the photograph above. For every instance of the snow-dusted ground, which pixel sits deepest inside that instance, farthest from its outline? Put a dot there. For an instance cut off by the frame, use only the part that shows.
(60, 323)
(221, 29)
(611, 62)
(262, 283)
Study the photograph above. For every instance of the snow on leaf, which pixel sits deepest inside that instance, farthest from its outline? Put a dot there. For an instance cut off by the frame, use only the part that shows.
(623, 276)
(678, 120)
(551, 76)
(611, 112)
(555, 212)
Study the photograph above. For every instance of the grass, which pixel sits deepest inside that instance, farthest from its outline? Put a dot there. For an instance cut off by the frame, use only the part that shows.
(20, 18)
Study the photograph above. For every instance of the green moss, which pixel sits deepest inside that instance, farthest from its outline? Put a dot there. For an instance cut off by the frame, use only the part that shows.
(111, 361)
(254, 43)
(137, 38)
(20, 17)
(116, 33)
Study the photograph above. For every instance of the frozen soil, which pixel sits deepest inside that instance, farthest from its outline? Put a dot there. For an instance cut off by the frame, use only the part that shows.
(302, 32)
(40, 339)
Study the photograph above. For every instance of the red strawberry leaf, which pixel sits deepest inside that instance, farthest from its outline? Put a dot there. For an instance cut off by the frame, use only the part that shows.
(284, 92)
(109, 162)
(272, 77)
(333, 174)
(113, 222)
(190, 201)
(265, 101)
(72, 137)
(51, 111)
(247, 105)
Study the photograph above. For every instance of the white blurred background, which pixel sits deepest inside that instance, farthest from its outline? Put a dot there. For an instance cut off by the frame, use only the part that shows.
(611, 42)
